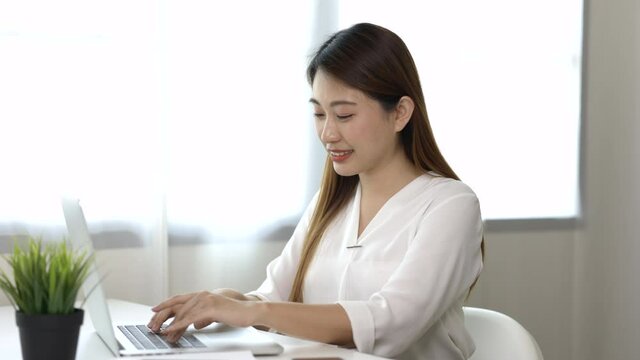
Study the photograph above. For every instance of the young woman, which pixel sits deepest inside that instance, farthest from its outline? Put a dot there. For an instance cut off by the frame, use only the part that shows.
(388, 249)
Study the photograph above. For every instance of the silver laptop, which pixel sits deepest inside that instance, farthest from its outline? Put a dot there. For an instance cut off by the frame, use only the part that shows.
(137, 339)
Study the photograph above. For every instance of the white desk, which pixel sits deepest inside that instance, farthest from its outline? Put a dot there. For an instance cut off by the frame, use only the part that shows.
(90, 347)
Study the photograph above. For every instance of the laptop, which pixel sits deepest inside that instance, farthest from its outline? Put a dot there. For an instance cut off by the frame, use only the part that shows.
(137, 339)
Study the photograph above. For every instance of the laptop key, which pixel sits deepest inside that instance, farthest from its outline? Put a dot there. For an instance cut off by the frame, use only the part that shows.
(143, 338)
(193, 341)
(131, 338)
(183, 343)
(155, 339)
(146, 343)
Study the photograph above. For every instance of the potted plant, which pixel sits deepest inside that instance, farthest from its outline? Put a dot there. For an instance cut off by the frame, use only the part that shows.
(46, 281)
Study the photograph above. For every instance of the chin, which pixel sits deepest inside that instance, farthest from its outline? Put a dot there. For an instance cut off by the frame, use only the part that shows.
(344, 170)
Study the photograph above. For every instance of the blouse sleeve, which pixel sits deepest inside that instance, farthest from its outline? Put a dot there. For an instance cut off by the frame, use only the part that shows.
(441, 263)
(282, 270)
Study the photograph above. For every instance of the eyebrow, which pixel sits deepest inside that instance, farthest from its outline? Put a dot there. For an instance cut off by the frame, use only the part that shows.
(334, 103)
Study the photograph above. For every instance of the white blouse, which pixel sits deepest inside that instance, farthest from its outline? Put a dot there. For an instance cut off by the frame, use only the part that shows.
(403, 282)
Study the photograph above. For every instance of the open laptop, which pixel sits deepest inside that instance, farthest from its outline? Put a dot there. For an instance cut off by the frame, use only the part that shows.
(137, 339)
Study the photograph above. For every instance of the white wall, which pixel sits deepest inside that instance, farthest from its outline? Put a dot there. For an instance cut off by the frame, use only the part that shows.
(578, 291)
(607, 315)
(528, 276)
(580, 295)
(241, 266)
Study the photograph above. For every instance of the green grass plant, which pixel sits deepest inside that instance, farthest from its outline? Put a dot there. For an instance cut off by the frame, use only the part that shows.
(46, 277)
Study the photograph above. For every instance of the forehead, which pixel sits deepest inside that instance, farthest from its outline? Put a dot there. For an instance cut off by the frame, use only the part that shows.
(327, 89)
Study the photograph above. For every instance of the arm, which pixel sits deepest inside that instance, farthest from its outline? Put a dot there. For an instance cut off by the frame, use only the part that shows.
(441, 261)
(274, 312)
(325, 323)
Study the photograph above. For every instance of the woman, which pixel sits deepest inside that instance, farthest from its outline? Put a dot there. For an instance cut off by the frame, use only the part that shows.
(388, 249)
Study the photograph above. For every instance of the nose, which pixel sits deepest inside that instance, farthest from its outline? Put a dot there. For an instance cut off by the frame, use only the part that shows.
(328, 131)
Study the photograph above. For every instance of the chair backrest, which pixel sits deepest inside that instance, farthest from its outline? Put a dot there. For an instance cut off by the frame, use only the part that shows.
(499, 337)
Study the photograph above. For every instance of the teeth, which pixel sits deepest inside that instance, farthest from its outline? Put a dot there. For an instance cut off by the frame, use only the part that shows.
(341, 153)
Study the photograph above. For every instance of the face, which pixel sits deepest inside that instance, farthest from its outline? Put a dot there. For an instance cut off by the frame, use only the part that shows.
(359, 135)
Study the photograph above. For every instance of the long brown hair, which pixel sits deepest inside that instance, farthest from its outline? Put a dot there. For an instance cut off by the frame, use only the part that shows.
(377, 62)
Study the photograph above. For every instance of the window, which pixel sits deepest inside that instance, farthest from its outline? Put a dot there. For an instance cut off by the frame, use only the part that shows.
(196, 107)
(195, 112)
(502, 85)
(238, 120)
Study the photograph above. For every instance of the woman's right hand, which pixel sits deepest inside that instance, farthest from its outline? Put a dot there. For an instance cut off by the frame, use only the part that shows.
(170, 307)
(167, 309)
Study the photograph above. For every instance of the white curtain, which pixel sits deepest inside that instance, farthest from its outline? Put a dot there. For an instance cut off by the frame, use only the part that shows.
(172, 121)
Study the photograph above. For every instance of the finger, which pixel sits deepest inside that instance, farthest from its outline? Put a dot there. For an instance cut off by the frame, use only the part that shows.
(160, 317)
(181, 320)
(201, 324)
(172, 301)
(184, 309)
(174, 331)
(189, 313)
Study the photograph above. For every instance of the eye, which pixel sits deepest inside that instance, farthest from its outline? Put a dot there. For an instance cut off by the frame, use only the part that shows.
(344, 117)
(318, 115)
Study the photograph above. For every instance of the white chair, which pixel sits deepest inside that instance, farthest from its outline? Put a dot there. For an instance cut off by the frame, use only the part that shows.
(499, 337)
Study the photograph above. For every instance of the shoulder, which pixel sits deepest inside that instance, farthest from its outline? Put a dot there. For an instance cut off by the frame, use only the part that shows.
(436, 186)
(434, 191)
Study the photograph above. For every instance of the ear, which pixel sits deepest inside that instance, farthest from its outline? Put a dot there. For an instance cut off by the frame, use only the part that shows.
(404, 110)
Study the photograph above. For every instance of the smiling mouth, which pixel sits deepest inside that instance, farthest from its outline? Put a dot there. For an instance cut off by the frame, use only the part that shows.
(339, 156)
(340, 153)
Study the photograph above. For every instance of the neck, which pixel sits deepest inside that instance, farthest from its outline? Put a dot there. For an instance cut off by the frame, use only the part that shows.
(389, 179)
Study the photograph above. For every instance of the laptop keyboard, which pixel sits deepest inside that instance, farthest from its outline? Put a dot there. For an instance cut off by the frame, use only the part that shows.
(143, 338)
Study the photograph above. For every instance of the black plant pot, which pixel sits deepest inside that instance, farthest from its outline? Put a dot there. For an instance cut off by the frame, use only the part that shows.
(51, 337)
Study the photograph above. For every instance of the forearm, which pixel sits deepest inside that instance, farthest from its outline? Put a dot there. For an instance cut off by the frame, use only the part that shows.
(324, 323)
(233, 294)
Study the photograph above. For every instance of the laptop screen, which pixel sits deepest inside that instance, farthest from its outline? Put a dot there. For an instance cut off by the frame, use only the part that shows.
(96, 303)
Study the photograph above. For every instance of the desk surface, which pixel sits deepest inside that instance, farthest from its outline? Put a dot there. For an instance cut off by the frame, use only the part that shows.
(91, 347)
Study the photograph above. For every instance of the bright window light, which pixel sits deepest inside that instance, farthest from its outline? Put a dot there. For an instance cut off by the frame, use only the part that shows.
(200, 104)
(502, 85)
(200, 107)
(238, 117)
